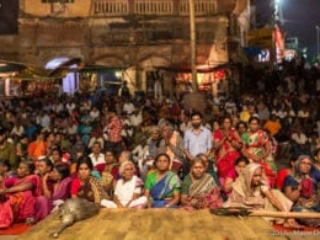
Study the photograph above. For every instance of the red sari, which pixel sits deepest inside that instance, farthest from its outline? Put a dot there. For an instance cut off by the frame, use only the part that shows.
(20, 205)
(227, 154)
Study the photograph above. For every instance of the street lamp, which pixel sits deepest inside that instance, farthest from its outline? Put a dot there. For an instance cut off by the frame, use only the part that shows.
(318, 41)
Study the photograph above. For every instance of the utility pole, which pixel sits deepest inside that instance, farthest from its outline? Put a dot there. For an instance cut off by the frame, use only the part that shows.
(193, 46)
(275, 26)
(318, 42)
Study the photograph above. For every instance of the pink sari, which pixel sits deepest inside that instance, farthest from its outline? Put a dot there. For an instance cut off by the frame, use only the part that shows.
(45, 205)
(17, 207)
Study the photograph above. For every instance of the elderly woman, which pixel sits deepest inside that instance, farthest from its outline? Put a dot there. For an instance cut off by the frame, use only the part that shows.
(251, 190)
(85, 185)
(199, 189)
(19, 194)
(128, 190)
(162, 187)
(301, 188)
(171, 144)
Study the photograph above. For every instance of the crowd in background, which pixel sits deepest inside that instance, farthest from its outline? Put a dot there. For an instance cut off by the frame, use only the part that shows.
(260, 150)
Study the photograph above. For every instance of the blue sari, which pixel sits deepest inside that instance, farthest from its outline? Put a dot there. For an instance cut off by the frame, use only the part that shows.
(163, 189)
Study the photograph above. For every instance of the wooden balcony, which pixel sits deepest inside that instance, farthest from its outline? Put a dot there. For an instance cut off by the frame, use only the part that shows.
(154, 7)
(110, 8)
(201, 7)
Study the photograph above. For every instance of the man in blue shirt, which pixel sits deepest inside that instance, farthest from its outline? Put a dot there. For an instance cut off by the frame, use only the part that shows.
(198, 139)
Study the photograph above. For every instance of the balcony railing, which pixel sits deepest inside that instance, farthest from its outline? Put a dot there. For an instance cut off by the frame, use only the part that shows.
(201, 7)
(152, 7)
(111, 7)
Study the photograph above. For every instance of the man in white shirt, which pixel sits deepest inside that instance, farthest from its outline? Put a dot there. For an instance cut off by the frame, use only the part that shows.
(97, 158)
(70, 106)
(44, 119)
(136, 117)
(128, 107)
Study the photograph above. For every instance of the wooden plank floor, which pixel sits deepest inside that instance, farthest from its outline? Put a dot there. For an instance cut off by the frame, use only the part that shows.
(157, 224)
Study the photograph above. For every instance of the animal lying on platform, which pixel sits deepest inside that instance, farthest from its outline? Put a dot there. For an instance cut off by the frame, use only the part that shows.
(74, 210)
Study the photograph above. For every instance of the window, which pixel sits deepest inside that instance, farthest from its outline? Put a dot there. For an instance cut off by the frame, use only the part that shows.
(9, 17)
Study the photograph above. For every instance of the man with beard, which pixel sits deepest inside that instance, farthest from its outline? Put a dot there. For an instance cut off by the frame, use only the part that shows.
(7, 150)
(197, 139)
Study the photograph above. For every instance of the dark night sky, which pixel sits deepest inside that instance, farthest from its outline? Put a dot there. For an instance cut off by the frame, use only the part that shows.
(300, 18)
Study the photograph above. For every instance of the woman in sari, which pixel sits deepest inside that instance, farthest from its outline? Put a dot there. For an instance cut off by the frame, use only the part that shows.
(227, 144)
(61, 186)
(250, 190)
(199, 190)
(284, 172)
(86, 186)
(45, 167)
(301, 188)
(38, 147)
(257, 148)
(110, 174)
(128, 190)
(240, 164)
(162, 187)
(18, 196)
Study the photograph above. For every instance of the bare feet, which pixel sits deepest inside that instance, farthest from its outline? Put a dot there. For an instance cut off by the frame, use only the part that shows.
(292, 224)
(30, 221)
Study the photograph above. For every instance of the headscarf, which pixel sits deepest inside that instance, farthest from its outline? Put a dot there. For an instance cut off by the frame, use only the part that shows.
(242, 185)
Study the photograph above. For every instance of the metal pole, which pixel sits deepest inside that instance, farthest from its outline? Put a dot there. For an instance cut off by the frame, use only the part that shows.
(193, 46)
(275, 26)
(318, 42)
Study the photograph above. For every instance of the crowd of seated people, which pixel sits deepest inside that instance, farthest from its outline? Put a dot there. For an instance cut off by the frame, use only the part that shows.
(186, 164)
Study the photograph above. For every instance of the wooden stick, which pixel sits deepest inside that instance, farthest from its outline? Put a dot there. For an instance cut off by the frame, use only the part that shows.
(260, 213)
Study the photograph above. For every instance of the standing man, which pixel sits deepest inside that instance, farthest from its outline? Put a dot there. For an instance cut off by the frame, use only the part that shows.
(124, 90)
(197, 139)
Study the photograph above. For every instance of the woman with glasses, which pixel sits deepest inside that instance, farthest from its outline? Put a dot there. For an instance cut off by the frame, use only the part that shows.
(301, 189)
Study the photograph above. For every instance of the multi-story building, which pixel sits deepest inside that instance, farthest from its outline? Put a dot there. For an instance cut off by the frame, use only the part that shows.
(146, 40)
